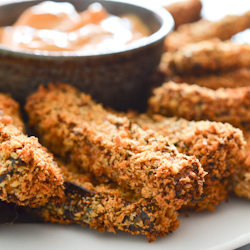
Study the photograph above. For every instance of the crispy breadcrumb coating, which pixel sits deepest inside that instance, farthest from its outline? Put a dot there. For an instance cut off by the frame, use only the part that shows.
(205, 57)
(71, 125)
(229, 79)
(28, 175)
(210, 142)
(10, 107)
(203, 29)
(216, 145)
(107, 209)
(240, 180)
(185, 11)
(199, 103)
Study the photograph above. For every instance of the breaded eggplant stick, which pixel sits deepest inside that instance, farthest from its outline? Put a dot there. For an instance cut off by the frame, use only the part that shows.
(240, 182)
(28, 175)
(225, 105)
(210, 142)
(187, 11)
(71, 125)
(199, 103)
(203, 29)
(205, 57)
(216, 145)
(240, 179)
(10, 107)
(229, 79)
(106, 209)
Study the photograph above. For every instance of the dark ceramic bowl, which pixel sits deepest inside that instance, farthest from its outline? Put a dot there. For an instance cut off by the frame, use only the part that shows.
(116, 79)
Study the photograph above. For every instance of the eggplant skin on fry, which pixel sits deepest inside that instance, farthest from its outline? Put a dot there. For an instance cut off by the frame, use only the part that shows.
(105, 207)
(199, 103)
(28, 175)
(71, 125)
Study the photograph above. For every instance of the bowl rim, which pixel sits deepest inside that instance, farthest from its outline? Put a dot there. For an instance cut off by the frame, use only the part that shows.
(166, 26)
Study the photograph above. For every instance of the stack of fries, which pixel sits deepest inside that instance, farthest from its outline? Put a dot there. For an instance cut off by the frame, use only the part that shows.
(207, 78)
(135, 172)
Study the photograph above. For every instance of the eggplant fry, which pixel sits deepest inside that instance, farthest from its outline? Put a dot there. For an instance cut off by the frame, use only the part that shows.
(199, 103)
(205, 57)
(240, 181)
(105, 208)
(216, 145)
(203, 29)
(187, 11)
(224, 105)
(231, 79)
(28, 175)
(210, 142)
(11, 108)
(71, 125)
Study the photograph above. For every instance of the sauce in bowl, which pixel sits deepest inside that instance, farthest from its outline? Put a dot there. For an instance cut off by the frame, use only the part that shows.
(52, 26)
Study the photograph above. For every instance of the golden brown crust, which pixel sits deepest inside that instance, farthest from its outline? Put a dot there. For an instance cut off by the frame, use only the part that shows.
(213, 143)
(215, 192)
(240, 180)
(105, 208)
(199, 103)
(206, 57)
(28, 175)
(229, 79)
(73, 126)
(240, 183)
(185, 11)
(216, 145)
(10, 107)
(204, 30)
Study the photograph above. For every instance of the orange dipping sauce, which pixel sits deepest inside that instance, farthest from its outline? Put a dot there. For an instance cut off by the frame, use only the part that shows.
(52, 26)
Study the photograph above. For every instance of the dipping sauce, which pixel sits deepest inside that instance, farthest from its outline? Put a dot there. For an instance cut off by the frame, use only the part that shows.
(52, 26)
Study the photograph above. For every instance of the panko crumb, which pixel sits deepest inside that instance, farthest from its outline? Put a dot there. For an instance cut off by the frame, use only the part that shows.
(216, 145)
(107, 207)
(197, 103)
(28, 174)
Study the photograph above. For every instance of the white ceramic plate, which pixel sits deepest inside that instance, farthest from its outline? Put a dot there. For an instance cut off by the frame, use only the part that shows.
(225, 229)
